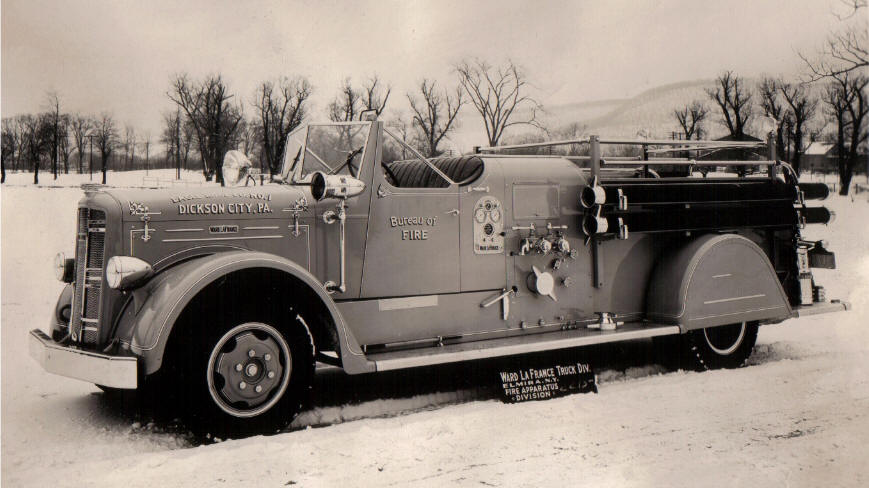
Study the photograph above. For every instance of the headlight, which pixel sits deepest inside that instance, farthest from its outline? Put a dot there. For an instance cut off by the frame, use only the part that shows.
(124, 272)
(64, 269)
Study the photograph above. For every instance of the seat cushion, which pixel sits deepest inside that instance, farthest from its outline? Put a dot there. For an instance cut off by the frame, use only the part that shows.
(416, 174)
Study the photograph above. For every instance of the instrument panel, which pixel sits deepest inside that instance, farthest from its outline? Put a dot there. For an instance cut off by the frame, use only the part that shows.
(488, 226)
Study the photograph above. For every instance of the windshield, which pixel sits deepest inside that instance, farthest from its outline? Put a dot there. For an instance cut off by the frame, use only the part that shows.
(331, 148)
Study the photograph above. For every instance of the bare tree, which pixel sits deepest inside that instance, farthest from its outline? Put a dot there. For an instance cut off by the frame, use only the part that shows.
(734, 99)
(350, 102)
(14, 128)
(146, 143)
(497, 93)
(214, 118)
(691, 118)
(435, 115)
(9, 145)
(186, 138)
(403, 128)
(37, 138)
(170, 139)
(106, 136)
(345, 105)
(373, 97)
(768, 88)
(802, 108)
(129, 146)
(282, 107)
(80, 126)
(858, 110)
(250, 140)
(846, 50)
(65, 145)
(53, 101)
(847, 106)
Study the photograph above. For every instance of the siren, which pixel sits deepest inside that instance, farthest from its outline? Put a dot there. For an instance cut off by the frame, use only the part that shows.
(335, 186)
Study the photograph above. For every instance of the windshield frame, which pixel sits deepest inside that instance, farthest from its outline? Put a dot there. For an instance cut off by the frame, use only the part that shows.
(296, 176)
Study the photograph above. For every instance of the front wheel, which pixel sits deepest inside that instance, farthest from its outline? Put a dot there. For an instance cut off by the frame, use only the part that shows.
(725, 346)
(252, 378)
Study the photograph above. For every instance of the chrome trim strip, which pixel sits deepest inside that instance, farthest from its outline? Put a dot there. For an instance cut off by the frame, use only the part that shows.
(234, 238)
(723, 300)
(182, 230)
(739, 312)
(408, 302)
(93, 367)
(483, 352)
(722, 275)
(261, 227)
(171, 256)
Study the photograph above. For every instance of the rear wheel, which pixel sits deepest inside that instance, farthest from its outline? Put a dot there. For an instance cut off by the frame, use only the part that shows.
(725, 346)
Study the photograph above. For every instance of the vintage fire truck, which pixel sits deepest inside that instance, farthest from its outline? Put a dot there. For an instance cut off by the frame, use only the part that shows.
(367, 256)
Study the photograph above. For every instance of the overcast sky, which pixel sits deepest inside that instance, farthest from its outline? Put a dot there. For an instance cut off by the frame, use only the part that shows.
(119, 56)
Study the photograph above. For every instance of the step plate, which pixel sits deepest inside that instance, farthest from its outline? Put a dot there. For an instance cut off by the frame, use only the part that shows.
(548, 341)
(819, 308)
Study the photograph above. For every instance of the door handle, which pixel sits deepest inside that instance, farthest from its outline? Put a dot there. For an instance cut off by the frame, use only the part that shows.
(454, 211)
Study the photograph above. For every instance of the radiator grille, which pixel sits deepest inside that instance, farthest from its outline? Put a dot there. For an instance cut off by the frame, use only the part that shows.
(89, 257)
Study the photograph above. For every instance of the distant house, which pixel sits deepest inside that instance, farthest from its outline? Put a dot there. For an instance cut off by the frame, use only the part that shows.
(820, 157)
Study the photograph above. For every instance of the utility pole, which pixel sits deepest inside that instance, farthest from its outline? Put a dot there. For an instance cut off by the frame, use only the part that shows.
(147, 148)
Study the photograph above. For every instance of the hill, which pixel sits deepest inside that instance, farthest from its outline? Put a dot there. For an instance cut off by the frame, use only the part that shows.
(650, 112)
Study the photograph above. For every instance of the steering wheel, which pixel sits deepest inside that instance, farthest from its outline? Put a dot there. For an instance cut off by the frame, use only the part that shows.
(354, 171)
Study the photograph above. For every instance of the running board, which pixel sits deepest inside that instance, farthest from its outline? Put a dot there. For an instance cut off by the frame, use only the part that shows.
(468, 351)
(819, 308)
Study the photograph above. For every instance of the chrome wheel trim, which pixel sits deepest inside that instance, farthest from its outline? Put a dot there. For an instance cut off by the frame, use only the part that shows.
(733, 347)
(222, 361)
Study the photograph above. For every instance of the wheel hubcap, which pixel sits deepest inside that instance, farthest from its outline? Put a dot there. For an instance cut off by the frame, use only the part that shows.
(244, 379)
(725, 339)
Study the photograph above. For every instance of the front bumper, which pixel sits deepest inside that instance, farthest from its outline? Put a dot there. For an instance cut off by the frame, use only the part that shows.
(94, 367)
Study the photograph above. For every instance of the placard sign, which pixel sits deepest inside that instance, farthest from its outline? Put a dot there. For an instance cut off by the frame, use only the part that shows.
(545, 382)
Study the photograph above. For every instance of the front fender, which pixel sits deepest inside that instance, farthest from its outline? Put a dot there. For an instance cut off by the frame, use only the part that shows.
(149, 317)
(57, 326)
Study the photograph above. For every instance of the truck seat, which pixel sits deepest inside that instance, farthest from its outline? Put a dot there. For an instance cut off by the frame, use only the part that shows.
(416, 174)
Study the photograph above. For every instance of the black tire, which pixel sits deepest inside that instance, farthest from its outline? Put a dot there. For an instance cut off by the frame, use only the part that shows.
(725, 346)
(271, 387)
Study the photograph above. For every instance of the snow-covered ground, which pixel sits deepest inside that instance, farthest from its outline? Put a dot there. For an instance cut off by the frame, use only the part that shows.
(798, 416)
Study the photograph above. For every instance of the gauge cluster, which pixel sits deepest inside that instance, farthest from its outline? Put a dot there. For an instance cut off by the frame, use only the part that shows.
(488, 226)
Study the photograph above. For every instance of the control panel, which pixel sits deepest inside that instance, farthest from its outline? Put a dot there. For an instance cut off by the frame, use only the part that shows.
(488, 226)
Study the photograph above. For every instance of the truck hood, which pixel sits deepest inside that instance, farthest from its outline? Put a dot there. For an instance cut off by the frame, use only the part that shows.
(235, 203)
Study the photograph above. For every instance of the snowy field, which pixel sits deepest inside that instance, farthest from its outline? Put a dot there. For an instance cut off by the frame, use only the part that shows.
(161, 178)
(798, 416)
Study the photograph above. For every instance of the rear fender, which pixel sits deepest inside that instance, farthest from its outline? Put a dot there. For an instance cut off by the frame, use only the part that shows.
(150, 316)
(716, 279)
